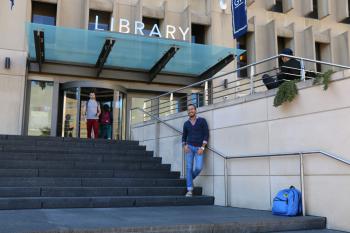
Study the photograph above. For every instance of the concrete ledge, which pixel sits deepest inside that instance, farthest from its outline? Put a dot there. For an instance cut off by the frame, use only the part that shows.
(194, 219)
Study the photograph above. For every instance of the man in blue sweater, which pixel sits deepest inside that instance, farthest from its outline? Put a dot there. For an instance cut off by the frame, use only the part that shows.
(194, 139)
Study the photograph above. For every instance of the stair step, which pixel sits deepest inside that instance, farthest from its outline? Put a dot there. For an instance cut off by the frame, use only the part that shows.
(69, 149)
(88, 173)
(107, 173)
(77, 156)
(11, 192)
(123, 165)
(77, 144)
(101, 202)
(60, 139)
(89, 182)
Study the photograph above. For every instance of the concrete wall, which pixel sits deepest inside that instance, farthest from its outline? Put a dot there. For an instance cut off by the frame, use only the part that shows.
(315, 120)
(12, 81)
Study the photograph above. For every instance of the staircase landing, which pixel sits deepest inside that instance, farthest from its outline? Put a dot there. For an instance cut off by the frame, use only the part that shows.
(194, 219)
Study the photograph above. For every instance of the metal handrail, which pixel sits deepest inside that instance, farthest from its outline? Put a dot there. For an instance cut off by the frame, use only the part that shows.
(336, 157)
(226, 158)
(172, 127)
(249, 66)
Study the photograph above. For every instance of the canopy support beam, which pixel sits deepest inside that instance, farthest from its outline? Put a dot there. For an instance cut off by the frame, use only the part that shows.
(217, 67)
(39, 42)
(161, 63)
(102, 58)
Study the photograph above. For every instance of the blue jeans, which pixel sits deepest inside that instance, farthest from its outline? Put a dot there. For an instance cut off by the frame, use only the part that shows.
(191, 174)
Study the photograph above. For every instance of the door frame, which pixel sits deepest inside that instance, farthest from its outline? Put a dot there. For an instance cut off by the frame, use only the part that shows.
(92, 84)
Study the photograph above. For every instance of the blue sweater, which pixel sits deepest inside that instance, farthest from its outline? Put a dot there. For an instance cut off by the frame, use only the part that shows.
(196, 134)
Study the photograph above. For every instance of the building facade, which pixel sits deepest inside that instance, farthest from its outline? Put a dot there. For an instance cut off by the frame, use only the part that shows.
(46, 70)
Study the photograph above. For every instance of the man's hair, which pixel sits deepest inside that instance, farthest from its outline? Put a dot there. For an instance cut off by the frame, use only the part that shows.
(195, 107)
(287, 51)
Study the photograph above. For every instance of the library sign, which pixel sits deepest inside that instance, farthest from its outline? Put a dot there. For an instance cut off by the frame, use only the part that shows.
(139, 26)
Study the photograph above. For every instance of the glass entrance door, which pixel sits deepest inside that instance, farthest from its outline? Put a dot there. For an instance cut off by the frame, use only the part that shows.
(113, 107)
(70, 121)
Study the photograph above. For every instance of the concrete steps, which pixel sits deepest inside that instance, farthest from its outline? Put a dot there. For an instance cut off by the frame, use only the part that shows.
(48, 172)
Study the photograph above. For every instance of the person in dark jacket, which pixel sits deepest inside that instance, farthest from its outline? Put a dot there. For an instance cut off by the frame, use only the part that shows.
(289, 70)
(194, 139)
(106, 120)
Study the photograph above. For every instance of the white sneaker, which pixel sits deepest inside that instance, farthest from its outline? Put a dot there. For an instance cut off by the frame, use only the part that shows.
(189, 194)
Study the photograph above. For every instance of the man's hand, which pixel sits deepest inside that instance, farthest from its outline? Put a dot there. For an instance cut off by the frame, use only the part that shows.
(186, 149)
(200, 151)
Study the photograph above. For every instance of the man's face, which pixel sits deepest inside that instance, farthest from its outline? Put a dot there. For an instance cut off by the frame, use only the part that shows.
(285, 59)
(92, 96)
(191, 110)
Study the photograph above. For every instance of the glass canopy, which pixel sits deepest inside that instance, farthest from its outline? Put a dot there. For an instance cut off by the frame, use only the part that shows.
(134, 52)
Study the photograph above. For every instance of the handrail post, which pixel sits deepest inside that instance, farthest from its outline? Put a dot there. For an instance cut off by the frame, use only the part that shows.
(302, 184)
(183, 164)
(206, 93)
(226, 182)
(171, 102)
(129, 128)
(251, 74)
(302, 71)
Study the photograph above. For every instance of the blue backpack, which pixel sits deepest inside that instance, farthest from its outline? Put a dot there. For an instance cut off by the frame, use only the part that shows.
(287, 202)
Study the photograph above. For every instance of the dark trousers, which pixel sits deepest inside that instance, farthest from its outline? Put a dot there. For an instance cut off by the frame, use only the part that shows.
(106, 131)
(92, 124)
(270, 82)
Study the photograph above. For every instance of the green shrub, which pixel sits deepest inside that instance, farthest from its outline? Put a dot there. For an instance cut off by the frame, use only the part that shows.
(324, 79)
(287, 91)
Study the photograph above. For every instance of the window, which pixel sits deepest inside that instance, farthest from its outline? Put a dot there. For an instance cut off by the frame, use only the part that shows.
(318, 56)
(281, 44)
(40, 108)
(198, 34)
(314, 13)
(278, 7)
(243, 60)
(323, 53)
(347, 20)
(138, 116)
(149, 24)
(44, 13)
(101, 19)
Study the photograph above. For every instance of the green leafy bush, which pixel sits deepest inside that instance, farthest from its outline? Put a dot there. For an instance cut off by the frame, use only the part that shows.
(287, 91)
(324, 79)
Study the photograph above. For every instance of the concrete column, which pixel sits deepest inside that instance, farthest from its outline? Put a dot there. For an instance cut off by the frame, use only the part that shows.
(323, 8)
(341, 48)
(139, 7)
(269, 4)
(71, 13)
(308, 47)
(249, 2)
(86, 7)
(307, 7)
(326, 50)
(288, 5)
(186, 22)
(341, 9)
(115, 15)
(266, 45)
(58, 13)
(166, 19)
